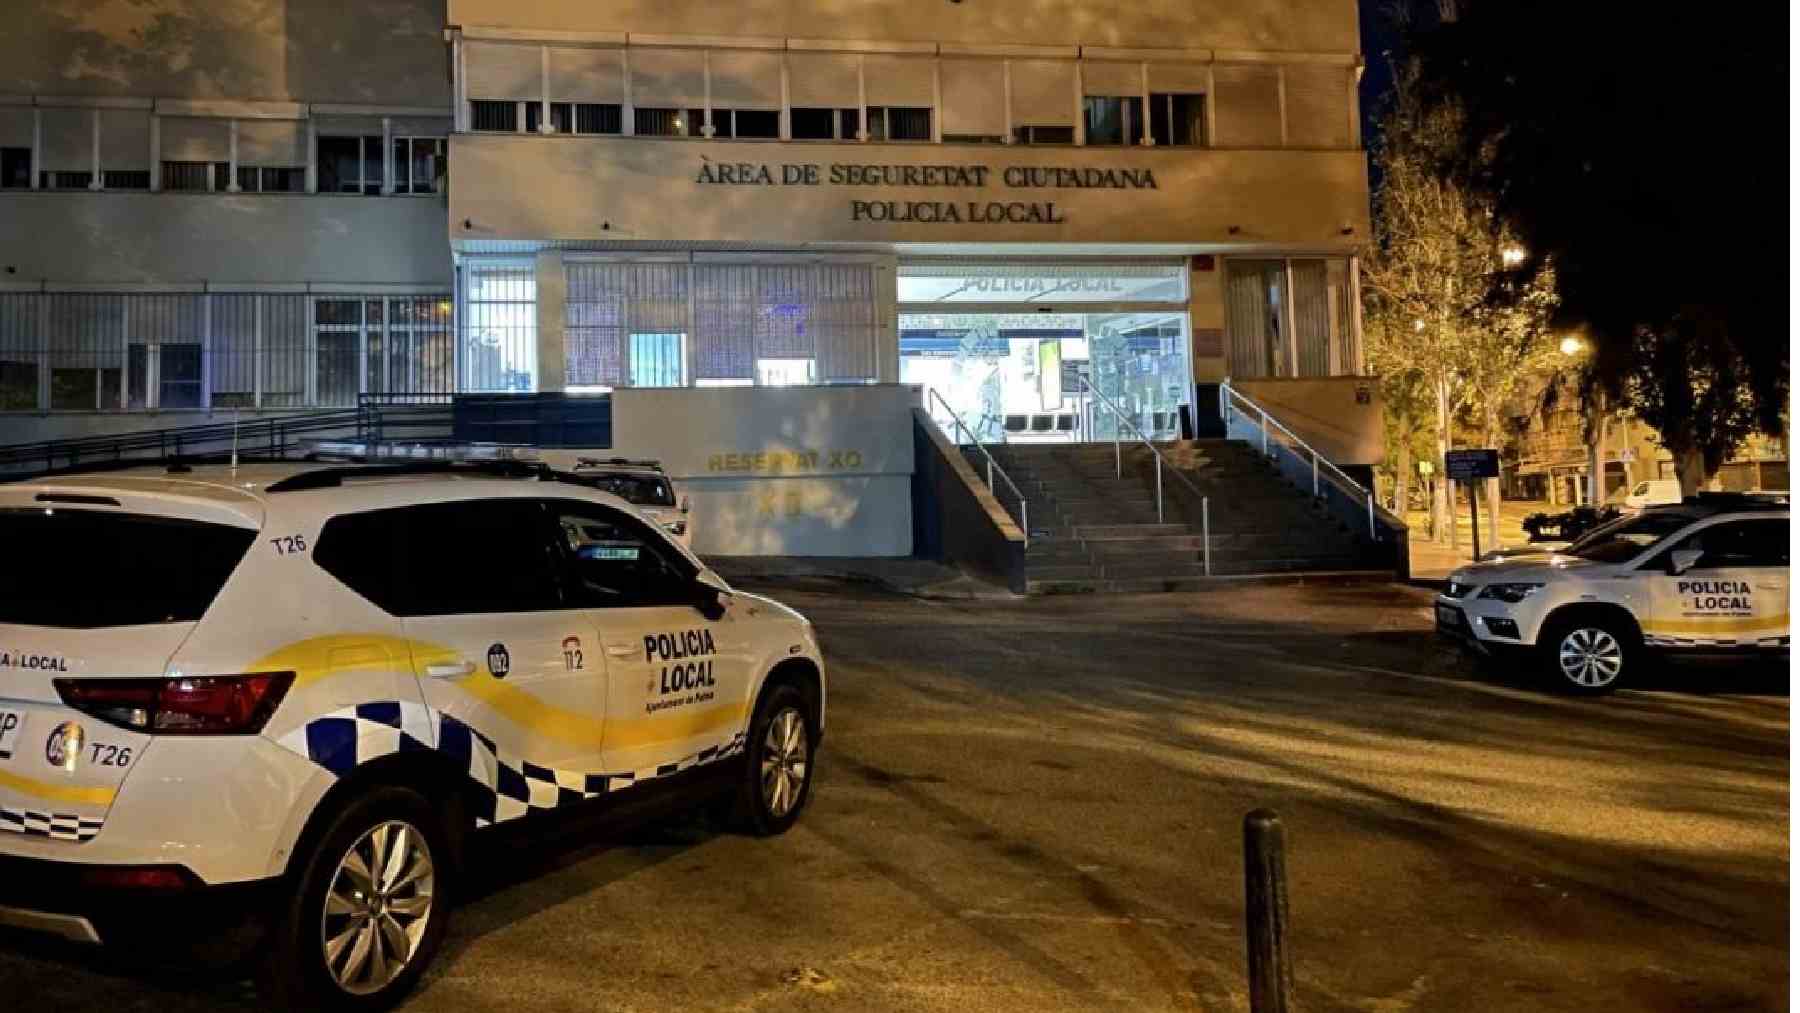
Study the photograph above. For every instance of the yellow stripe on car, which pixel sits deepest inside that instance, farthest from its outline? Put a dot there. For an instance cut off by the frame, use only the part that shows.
(57, 792)
(1722, 624)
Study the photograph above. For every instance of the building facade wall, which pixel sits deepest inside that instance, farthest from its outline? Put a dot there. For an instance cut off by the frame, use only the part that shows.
(1317, 25)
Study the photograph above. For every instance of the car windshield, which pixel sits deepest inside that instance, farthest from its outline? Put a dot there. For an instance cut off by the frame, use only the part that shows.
(1625, 538)
(638, 490)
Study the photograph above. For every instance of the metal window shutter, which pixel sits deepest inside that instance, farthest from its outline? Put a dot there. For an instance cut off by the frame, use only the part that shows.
(189, 139)
(724, 341)
(68, 140)
(497, 70)
(124, 139)
(667, 78)
(898, 80)
(271, 142)
(1313, 318)
(1118, 79)
(974, 97)
(1247, 106)
(1043, 93)
(1178, 78)
(1318, 106)
(822, 80)
(746, 79)
(586, 75)
(846, 331)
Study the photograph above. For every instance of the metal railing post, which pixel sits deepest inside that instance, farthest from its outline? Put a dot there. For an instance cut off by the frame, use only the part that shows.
(990, 471)
(1265, 433)
(1371, 500)
(1315, 457)
(1118, 462)
(1206, 531)
(1159, 507)
(1025, 519)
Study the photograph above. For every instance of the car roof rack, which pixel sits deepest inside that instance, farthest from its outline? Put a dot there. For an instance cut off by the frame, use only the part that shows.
(172, 464)
(601, 463)
(1739, 500)
(331, 477)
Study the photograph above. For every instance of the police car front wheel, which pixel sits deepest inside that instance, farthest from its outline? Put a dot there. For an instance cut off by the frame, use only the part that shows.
(778, 770)
(368, 909)
(1590, 655)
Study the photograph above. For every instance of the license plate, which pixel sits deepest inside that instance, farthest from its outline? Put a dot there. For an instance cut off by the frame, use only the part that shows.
(12, 725)
(1447, 615)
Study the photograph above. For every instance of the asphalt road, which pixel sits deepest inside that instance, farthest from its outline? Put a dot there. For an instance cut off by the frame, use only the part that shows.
(1037, 806)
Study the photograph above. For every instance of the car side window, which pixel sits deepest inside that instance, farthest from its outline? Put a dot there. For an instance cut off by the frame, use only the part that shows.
(1758, 543)
(437, 559)
(615, 561)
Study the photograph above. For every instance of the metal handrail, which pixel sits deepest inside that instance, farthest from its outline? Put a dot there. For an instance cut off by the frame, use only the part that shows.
(1119, 470)
(1349, 485)
(993, 468)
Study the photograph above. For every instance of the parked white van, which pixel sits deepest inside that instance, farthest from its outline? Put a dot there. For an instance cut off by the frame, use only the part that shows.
(1653, 492)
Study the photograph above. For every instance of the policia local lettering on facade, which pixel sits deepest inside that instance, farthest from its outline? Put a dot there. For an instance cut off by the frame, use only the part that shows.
(931, 211)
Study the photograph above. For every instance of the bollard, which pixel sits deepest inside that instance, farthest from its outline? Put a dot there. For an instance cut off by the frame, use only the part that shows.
(1266, 913)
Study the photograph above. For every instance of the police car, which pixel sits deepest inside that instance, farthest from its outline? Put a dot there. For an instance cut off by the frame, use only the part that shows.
(1705, 576)
(294, 690)
(644, 485)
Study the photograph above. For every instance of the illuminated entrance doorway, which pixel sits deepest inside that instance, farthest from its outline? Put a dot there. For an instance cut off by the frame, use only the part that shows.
(1018, 350)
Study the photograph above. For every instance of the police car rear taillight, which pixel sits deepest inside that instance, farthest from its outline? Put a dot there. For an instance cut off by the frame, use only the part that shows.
(183, 704)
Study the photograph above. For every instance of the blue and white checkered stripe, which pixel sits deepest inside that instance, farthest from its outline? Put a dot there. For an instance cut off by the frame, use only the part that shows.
(511, 786)
(57, 826)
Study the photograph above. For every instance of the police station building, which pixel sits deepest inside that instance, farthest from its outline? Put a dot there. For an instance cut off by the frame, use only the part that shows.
(757, 230)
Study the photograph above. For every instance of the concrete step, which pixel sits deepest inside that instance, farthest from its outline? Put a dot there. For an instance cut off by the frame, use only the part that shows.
(1102, 532)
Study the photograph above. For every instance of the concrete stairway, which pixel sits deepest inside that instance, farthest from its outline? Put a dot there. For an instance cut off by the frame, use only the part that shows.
(1092, 530)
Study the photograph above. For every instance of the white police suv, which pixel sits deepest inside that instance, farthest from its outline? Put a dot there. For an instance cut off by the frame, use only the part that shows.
(1705, 576)
(644, 485)
(293, 690)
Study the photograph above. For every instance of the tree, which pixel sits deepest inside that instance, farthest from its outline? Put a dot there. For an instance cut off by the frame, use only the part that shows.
(1454, 320)
(1620, 170)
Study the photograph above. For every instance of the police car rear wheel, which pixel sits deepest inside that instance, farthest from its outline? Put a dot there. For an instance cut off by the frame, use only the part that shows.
(369, 908)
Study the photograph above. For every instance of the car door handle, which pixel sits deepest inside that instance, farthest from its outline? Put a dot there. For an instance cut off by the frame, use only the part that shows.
(621, 650)
(449, 669)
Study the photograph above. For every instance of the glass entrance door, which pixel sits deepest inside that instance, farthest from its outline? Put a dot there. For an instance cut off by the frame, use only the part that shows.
(1018, 376)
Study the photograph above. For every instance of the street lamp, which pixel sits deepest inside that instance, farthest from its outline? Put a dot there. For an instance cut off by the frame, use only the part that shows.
(1571, 346)
(1512, 256)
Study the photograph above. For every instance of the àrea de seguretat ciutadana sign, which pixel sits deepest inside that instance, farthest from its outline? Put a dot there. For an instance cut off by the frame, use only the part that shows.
(972, 177)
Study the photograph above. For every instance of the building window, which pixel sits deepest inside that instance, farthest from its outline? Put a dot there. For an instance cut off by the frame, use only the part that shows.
(125, 179)
(271, 179)
(899, 123)
(418, 163)
(1286, 318)
(659, 360)
(784, 372)
(753, 124)
(15, 168)
(65, 180)
(1178, 120)
(187, 176)
(1114, 119)
(488, 114)
(562, 117)
(1043, 135)
(816, 124)
(598, 118)
(350, 165)
(660, 122)
(499, 327)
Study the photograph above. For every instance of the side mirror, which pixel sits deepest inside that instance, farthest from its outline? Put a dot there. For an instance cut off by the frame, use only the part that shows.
(1683, 560)
(709, 590)
(708, 579)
